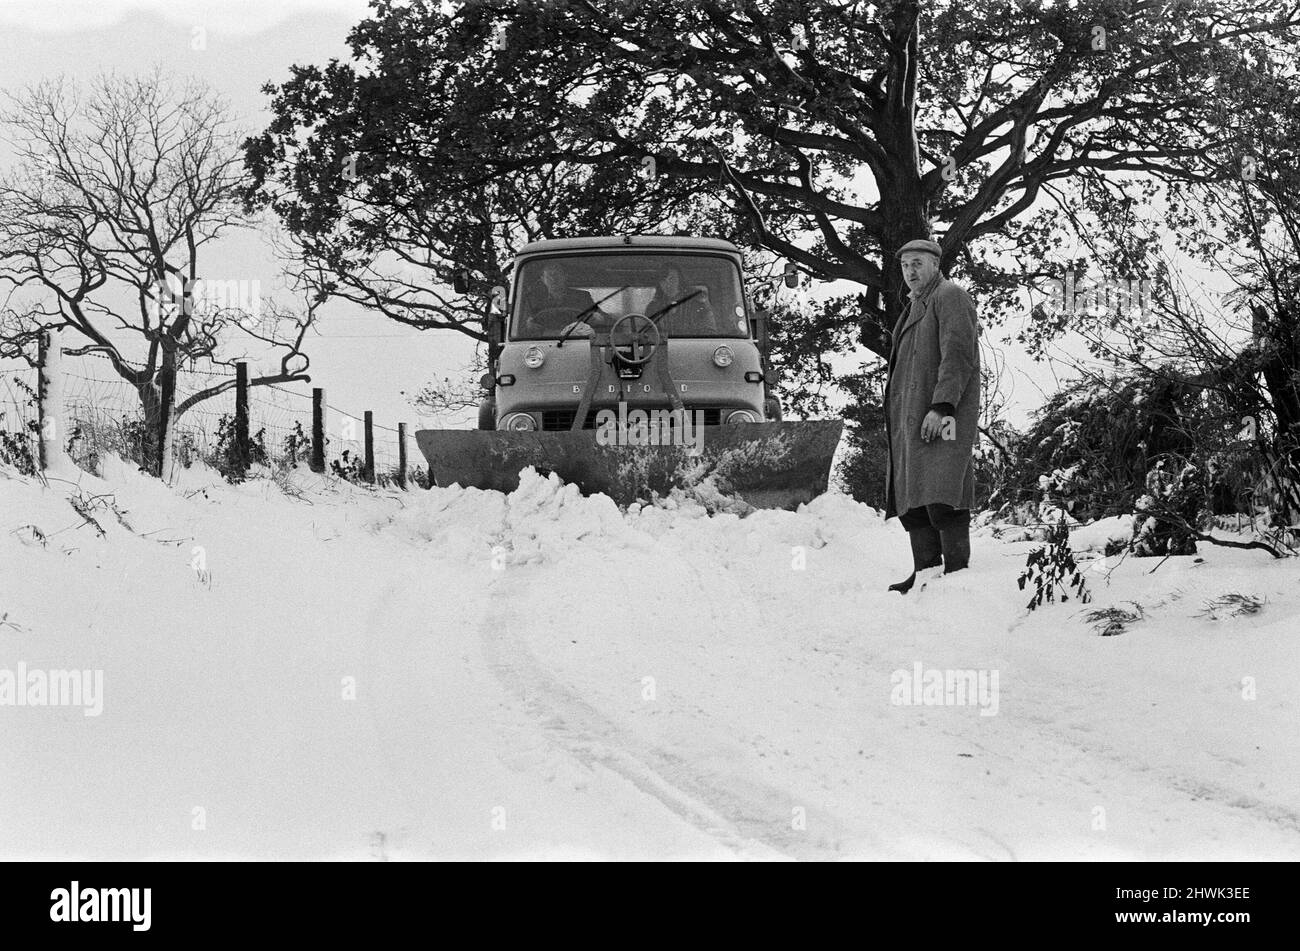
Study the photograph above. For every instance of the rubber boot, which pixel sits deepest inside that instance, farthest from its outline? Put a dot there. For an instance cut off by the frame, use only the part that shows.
(955, 541)
(927, 552)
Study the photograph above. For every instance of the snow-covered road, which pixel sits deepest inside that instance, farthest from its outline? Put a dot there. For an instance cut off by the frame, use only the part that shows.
(463, 674)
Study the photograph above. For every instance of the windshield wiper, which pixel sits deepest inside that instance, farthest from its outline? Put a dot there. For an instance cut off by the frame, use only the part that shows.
(654, 318)
(582, 318)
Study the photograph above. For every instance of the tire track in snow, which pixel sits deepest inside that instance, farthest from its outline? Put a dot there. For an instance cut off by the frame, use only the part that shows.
(755, 826)
(1199, 791)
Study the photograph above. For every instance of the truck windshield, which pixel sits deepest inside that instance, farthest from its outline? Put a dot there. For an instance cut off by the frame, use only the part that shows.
(694, 295)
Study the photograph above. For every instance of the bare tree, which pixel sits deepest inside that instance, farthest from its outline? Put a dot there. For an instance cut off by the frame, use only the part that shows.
(453, 396)
(117, 189)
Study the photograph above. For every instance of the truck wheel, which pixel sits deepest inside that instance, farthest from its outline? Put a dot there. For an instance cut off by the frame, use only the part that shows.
(487, 414)
(772, 408)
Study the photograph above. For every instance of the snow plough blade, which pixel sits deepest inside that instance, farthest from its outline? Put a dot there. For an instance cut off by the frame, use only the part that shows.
(767, 465)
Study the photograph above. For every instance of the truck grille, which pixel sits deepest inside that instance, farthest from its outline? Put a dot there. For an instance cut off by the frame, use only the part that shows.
(554, 420)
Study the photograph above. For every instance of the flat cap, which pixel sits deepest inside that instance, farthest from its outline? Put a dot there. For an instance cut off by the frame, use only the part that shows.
(921, 244)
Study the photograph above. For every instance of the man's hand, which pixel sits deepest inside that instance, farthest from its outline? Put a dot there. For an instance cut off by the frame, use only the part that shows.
(931, 426)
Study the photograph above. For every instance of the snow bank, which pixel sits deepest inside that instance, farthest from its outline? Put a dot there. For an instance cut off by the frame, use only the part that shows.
(1101, 533)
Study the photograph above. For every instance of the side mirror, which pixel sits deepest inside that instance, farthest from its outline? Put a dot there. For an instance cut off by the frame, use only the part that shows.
(495, 326)
(791, 276)
(460, 281)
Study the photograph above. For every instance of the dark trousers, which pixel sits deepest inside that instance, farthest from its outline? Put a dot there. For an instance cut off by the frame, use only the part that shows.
(938, 515)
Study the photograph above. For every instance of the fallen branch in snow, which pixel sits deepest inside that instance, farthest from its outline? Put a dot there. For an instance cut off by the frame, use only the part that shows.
(1103, 563)
(1233, 604)
(1159, 563)
(1281, 550)
(120, 516)
(75, 485)
(1175, 595)
(81, 508)
(36, 535)
(5, 622)
(1114, 620)
(165, 541)
(1277, 547)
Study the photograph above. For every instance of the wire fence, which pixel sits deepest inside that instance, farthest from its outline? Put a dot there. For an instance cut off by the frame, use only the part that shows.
(18, 398)
(103, 413)
(19, 417)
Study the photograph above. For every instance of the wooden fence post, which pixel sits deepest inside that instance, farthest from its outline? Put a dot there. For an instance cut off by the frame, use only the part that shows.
(242, 453)
(369, 473)
(51, 405)
(42, 398)
(317, 429)
(401, 455)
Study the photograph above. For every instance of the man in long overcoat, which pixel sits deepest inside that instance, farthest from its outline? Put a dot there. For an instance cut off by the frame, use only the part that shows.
(931, 410)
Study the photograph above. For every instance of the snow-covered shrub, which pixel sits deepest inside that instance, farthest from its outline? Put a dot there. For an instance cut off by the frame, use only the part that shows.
(1174, 506)
(1118, 445)
(16, 447)
(1090, 447)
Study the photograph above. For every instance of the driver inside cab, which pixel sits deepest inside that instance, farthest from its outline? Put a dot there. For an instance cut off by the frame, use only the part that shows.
(677, 305)
(555, 304)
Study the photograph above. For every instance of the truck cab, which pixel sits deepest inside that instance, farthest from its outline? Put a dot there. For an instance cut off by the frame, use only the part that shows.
(654, 322)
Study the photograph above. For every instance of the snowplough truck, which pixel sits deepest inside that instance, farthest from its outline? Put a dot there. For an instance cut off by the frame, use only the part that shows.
(631, 366)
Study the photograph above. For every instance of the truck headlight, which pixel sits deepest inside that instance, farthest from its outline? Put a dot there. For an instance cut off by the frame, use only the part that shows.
(723, 356)
(533, 357)
(518, 423)
(742, 416)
